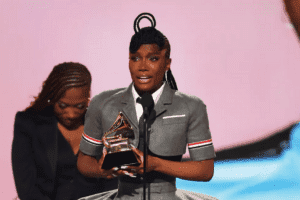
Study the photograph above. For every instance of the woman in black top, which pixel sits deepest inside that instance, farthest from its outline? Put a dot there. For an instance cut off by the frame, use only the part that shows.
(47, 136)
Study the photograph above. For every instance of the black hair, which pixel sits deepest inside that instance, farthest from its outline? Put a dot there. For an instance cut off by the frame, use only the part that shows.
(150, 35)
(63, 76)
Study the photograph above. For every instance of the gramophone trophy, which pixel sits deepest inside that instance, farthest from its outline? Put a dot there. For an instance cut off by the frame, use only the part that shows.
(116, 142)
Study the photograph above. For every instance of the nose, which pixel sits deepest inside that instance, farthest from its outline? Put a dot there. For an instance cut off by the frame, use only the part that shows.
(143, 65)
(71, 113)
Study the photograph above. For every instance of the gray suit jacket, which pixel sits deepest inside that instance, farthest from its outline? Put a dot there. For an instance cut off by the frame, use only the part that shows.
(180, 120)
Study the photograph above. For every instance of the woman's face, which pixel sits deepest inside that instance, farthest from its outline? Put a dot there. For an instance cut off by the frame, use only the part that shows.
(147, 68)
(71, 108)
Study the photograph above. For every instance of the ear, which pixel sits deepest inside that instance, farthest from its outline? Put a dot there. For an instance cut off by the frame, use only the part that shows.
(168, 64)
(89, 96)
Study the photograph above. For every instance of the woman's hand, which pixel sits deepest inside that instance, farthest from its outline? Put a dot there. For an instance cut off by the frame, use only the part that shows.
(113, 172)
(151, 163)
(189, 170)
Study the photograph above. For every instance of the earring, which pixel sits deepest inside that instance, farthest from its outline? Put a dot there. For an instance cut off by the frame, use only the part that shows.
(166, 75)
(48, 100)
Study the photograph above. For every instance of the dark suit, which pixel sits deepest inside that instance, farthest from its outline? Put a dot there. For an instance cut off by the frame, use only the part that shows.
(34, 156)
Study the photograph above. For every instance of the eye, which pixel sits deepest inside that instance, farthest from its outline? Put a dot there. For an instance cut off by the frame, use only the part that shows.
(62, 105)
(135, 58)
(80, 106)
(154, 58)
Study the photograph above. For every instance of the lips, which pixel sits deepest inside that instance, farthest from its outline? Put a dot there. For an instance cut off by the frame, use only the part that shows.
(144, 79)
(71, 121)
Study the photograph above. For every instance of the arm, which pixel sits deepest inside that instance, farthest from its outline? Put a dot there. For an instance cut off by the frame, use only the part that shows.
(189, 170)
(24, 169)
(292, 7)
(200, 148)
(91, 144)
(90, 167)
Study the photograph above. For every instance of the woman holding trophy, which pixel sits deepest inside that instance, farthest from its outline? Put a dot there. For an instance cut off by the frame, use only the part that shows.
(152, 105)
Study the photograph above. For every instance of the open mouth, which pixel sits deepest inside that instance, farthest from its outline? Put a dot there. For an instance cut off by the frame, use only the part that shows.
(144, 79)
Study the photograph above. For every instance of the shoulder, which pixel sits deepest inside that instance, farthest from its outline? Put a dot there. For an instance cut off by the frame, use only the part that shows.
(26, 123)
(101, 99)
(25, 117)
(190, 100)
(28, 118)
(107, 94)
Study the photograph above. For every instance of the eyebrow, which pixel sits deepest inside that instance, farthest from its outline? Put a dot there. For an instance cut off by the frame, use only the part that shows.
(156, 53)
(83, 102)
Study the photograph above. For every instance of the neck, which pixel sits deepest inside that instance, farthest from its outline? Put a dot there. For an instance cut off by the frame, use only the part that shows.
(79, 127)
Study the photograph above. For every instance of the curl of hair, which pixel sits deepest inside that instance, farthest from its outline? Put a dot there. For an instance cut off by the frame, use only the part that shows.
(63, 76)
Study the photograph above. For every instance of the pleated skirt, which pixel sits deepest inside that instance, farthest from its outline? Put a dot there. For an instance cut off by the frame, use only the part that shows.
(154, 191)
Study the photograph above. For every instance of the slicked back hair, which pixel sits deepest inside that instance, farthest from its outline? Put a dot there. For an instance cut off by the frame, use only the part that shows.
(150, 35)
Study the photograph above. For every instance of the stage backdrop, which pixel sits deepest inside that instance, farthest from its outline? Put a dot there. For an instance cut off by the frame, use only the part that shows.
(240, 57)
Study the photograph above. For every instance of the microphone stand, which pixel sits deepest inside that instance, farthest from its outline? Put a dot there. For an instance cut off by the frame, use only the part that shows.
(146, 115)
(147, 103)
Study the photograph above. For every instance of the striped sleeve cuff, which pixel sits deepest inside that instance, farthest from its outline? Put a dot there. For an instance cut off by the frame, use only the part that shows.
(200, 144)
(91, 140)
(201, 150)
(90, 145)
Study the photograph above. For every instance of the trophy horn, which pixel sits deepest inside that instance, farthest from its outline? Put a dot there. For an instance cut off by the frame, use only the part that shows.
(121, 127)
(119, 150)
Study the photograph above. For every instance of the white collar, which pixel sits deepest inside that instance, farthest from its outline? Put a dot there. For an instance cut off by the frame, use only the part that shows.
(156, 95)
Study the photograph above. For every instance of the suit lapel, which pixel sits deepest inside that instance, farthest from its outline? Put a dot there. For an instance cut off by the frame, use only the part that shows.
(164, 100)
(128, 106)
(160, 107)
(48, 132)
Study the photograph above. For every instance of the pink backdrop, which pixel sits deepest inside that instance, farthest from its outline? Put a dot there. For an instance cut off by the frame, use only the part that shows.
(240, 57)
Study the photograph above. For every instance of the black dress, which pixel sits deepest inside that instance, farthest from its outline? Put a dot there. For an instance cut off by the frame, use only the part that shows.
(70, 183)
(44, 165)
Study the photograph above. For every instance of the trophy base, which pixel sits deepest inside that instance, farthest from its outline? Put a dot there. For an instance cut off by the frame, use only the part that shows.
(119, 159)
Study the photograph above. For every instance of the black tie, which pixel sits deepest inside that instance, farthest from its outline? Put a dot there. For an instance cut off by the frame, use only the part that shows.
(142, 120)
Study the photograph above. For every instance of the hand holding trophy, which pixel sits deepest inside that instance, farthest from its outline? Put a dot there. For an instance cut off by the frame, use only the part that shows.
(118, 148)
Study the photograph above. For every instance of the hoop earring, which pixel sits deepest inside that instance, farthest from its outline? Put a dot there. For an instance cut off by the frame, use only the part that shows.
(166, 75)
